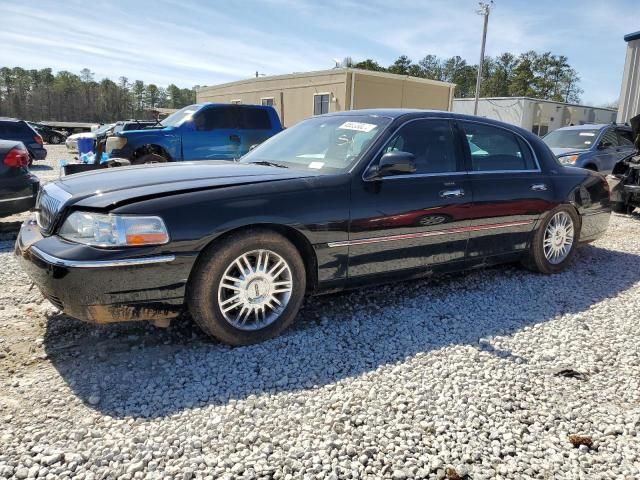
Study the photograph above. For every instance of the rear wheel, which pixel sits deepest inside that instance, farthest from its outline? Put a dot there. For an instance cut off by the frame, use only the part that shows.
(555, 241)
(149, 158)
(55, 139)
(247, 288)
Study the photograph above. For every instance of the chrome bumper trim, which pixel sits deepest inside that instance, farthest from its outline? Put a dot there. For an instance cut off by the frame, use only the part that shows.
(61, 262)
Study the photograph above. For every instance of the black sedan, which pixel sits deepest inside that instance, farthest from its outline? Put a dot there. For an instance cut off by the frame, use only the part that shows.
(337, 201)
(18, 187)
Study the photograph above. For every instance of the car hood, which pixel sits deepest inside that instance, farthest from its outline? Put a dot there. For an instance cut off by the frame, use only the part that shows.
(111, 187)
(557, 151)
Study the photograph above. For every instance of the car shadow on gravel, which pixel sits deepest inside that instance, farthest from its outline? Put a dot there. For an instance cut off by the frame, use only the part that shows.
(135, 370)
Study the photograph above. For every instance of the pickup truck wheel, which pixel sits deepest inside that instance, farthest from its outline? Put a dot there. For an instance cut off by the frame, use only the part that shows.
(555, 241)
(149, 158)
(247, 288)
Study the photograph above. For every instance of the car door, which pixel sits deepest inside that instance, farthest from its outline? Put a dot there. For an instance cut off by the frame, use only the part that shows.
(625, 141)
(412, 221)
(510, 192)
(607, 152)
(255, 127)
(213, 134)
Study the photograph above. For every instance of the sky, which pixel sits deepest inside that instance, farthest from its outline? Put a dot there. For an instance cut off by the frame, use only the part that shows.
(203, 42)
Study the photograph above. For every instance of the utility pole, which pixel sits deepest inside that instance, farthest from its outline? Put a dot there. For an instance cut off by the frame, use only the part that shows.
(484, 10)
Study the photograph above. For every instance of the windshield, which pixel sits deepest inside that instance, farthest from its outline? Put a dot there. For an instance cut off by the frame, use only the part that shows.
(176, 118)
(324, 143)
(576, 138)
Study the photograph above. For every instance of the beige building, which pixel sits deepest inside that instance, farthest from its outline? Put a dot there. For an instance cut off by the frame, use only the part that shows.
(300, 95)
(537, 116)
(629, 105)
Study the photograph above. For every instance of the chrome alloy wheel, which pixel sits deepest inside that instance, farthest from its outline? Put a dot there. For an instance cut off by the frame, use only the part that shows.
(255, 289)
(558, 238)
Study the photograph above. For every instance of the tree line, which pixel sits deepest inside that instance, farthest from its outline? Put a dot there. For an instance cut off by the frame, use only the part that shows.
(40, 95)
(530, 74)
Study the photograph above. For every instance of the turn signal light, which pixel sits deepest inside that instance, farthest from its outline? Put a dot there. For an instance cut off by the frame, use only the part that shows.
(38, 139)
(147, 239)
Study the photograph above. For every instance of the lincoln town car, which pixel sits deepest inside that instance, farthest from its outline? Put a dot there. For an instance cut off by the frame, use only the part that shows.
(337, 201)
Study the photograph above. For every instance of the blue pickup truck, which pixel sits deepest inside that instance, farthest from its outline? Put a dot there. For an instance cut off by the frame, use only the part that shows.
(205, 131)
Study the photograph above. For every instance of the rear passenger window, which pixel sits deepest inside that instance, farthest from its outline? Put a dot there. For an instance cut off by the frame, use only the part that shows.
(254, 119)
(496, 149)
(431, 142)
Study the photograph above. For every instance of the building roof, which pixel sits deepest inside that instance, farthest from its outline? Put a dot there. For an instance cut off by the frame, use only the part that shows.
(632, 36)
(541, 100)
(326, 72)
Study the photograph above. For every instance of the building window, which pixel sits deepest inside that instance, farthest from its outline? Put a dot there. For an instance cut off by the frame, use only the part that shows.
(321, 103)
(267, 102)
(540, 130)
(237, 101)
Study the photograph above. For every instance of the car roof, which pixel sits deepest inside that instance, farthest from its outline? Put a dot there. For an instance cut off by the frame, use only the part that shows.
(9, 119)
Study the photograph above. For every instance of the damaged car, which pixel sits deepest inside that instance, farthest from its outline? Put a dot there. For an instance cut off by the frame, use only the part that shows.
(337, 201)
(624, 180)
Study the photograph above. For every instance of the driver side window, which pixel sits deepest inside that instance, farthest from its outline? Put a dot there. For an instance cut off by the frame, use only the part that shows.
(430, 141)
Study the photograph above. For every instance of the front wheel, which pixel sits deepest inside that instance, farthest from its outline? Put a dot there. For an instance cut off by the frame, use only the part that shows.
(555, 241)
(247, 288)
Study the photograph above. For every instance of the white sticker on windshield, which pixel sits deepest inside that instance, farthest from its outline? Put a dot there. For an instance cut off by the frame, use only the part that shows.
(587, 134)
(316, 165)
(359, 126)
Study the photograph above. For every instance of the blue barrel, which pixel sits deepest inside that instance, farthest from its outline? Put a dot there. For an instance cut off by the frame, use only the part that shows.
(85, 145)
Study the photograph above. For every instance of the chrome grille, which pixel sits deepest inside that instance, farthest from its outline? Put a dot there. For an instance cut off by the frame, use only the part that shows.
(50, 201)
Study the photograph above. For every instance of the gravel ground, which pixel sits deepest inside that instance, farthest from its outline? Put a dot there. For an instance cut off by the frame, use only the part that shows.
(490, 374)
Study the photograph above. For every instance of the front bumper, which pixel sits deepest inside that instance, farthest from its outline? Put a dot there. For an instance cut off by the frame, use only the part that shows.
(104, 288)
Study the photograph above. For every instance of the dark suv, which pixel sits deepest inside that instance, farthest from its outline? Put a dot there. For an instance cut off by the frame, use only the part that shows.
(593, 146)
(21, 131)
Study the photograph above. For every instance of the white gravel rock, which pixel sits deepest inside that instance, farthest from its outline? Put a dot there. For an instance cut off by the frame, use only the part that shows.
(485, 373)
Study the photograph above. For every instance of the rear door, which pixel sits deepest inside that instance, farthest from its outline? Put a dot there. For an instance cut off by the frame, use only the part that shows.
(213, 134)
(510, 192)
(412, 221)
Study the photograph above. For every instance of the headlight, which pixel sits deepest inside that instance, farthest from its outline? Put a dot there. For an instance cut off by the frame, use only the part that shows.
(115, 143)
(568, 159)
(100, 230)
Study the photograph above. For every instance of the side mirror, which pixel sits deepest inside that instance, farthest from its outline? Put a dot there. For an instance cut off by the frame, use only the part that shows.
(396, 163)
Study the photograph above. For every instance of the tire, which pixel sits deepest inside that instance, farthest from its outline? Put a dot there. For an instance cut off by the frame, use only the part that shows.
(537, 259)
(149, 158)
(238, 325)
(55, 139)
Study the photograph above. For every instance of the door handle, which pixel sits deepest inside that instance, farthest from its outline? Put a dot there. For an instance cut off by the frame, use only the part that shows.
(234, 138)
(538, 187)
(458, 192)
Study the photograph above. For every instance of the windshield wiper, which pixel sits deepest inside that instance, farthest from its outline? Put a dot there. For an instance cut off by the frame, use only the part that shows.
(268, 164)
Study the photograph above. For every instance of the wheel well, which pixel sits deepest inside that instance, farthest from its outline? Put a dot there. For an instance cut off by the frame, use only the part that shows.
(298, 240)
(151, 148)
(591, 166)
